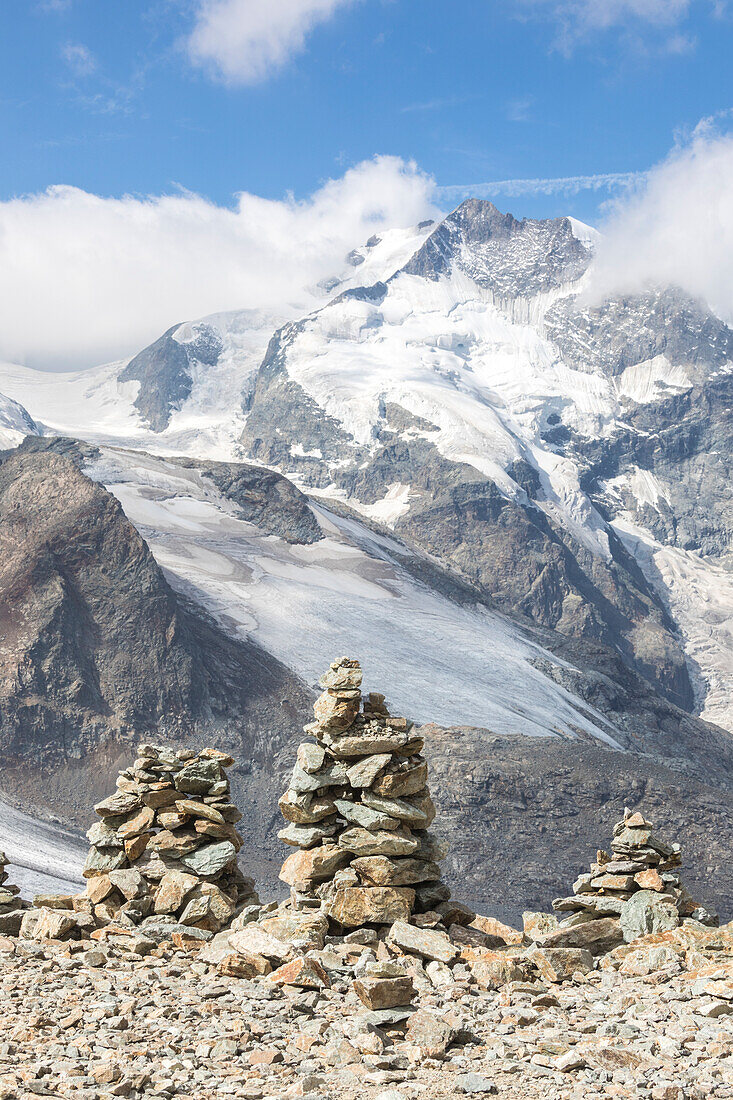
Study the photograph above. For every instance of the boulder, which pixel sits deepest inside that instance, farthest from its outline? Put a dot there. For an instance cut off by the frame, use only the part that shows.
(208, 907)
(378, 993)
(431, 1032)
(493, 969)
(401, 783)
(305, 973)
(47, 924)
(303, 868)
(188, 807)
(597, 936)
(364, 772)
(425, 942)
(537, 926)
(353, 906)
(197, 776)
(211, 859)
(129, 882)
(558, 964)
(647, 912)
(383, 871)
(366, 842)
(300, 928)
(172, 889)
(253, 940)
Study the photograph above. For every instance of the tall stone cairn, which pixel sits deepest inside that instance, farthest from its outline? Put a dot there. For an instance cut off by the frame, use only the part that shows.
(11, 907)
(166, 843)
(638, 883)
(358, 811)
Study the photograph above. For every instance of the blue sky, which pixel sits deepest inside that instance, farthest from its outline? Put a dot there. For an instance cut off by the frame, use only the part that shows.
(111, 98)
(167, 159)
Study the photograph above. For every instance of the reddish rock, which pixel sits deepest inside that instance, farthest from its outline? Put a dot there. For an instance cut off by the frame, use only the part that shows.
(306, 973)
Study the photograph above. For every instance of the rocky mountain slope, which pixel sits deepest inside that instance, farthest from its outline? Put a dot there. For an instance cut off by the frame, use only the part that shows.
(511, 503)
(115, 648)
(15, 423)
(99, 651)
(474, 403)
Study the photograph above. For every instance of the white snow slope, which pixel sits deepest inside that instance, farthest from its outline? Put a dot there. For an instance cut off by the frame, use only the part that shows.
(348, 593)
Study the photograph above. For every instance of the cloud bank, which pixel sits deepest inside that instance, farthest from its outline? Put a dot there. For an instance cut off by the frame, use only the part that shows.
(86, 280)
(676, 228)
(244, 41)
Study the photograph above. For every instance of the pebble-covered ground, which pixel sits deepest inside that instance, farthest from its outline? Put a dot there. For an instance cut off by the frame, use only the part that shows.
(90, 1020)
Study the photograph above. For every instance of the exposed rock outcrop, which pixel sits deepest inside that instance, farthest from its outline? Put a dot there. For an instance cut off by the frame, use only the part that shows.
(165, 370)
(100, 652)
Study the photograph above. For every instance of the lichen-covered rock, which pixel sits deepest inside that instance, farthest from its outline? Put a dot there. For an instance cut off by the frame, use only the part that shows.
(425, 942)
(648, 912)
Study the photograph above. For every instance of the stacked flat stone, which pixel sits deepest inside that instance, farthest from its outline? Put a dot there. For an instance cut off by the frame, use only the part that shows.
(358, 811)
(640, 863)
(166, 843)
(10, 904)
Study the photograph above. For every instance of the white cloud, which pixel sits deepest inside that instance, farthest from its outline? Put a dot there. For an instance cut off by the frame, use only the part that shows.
(85, 279)
(243, 41)
(543, 185)
(676, 228)
(79, 58)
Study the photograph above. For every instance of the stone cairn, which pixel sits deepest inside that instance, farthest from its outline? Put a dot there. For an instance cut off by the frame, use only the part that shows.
(11, 907)
(358, 811)
(638, 882)
(166, 845)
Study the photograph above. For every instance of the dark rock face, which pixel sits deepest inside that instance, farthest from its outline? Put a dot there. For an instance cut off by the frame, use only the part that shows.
(525, 815)
(687, 442)
(684, 437)
(512, 258)
(281, 414)
(528, 565)
(164, 372)
(98, 651)
(624, 331)
(262, 497)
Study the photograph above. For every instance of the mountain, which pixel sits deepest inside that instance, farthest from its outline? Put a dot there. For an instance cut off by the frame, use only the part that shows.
(511, 502)
(162, 597)
(475, 404)
(99, 651)
(570, 461)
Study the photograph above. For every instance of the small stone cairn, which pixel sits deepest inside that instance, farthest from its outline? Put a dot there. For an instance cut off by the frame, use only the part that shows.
(358, 810)
(11, 907)
(638, 884)
(166, 845)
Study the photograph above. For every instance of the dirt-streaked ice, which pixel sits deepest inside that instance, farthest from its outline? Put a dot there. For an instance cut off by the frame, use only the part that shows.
(350, 592)
(44, 858)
